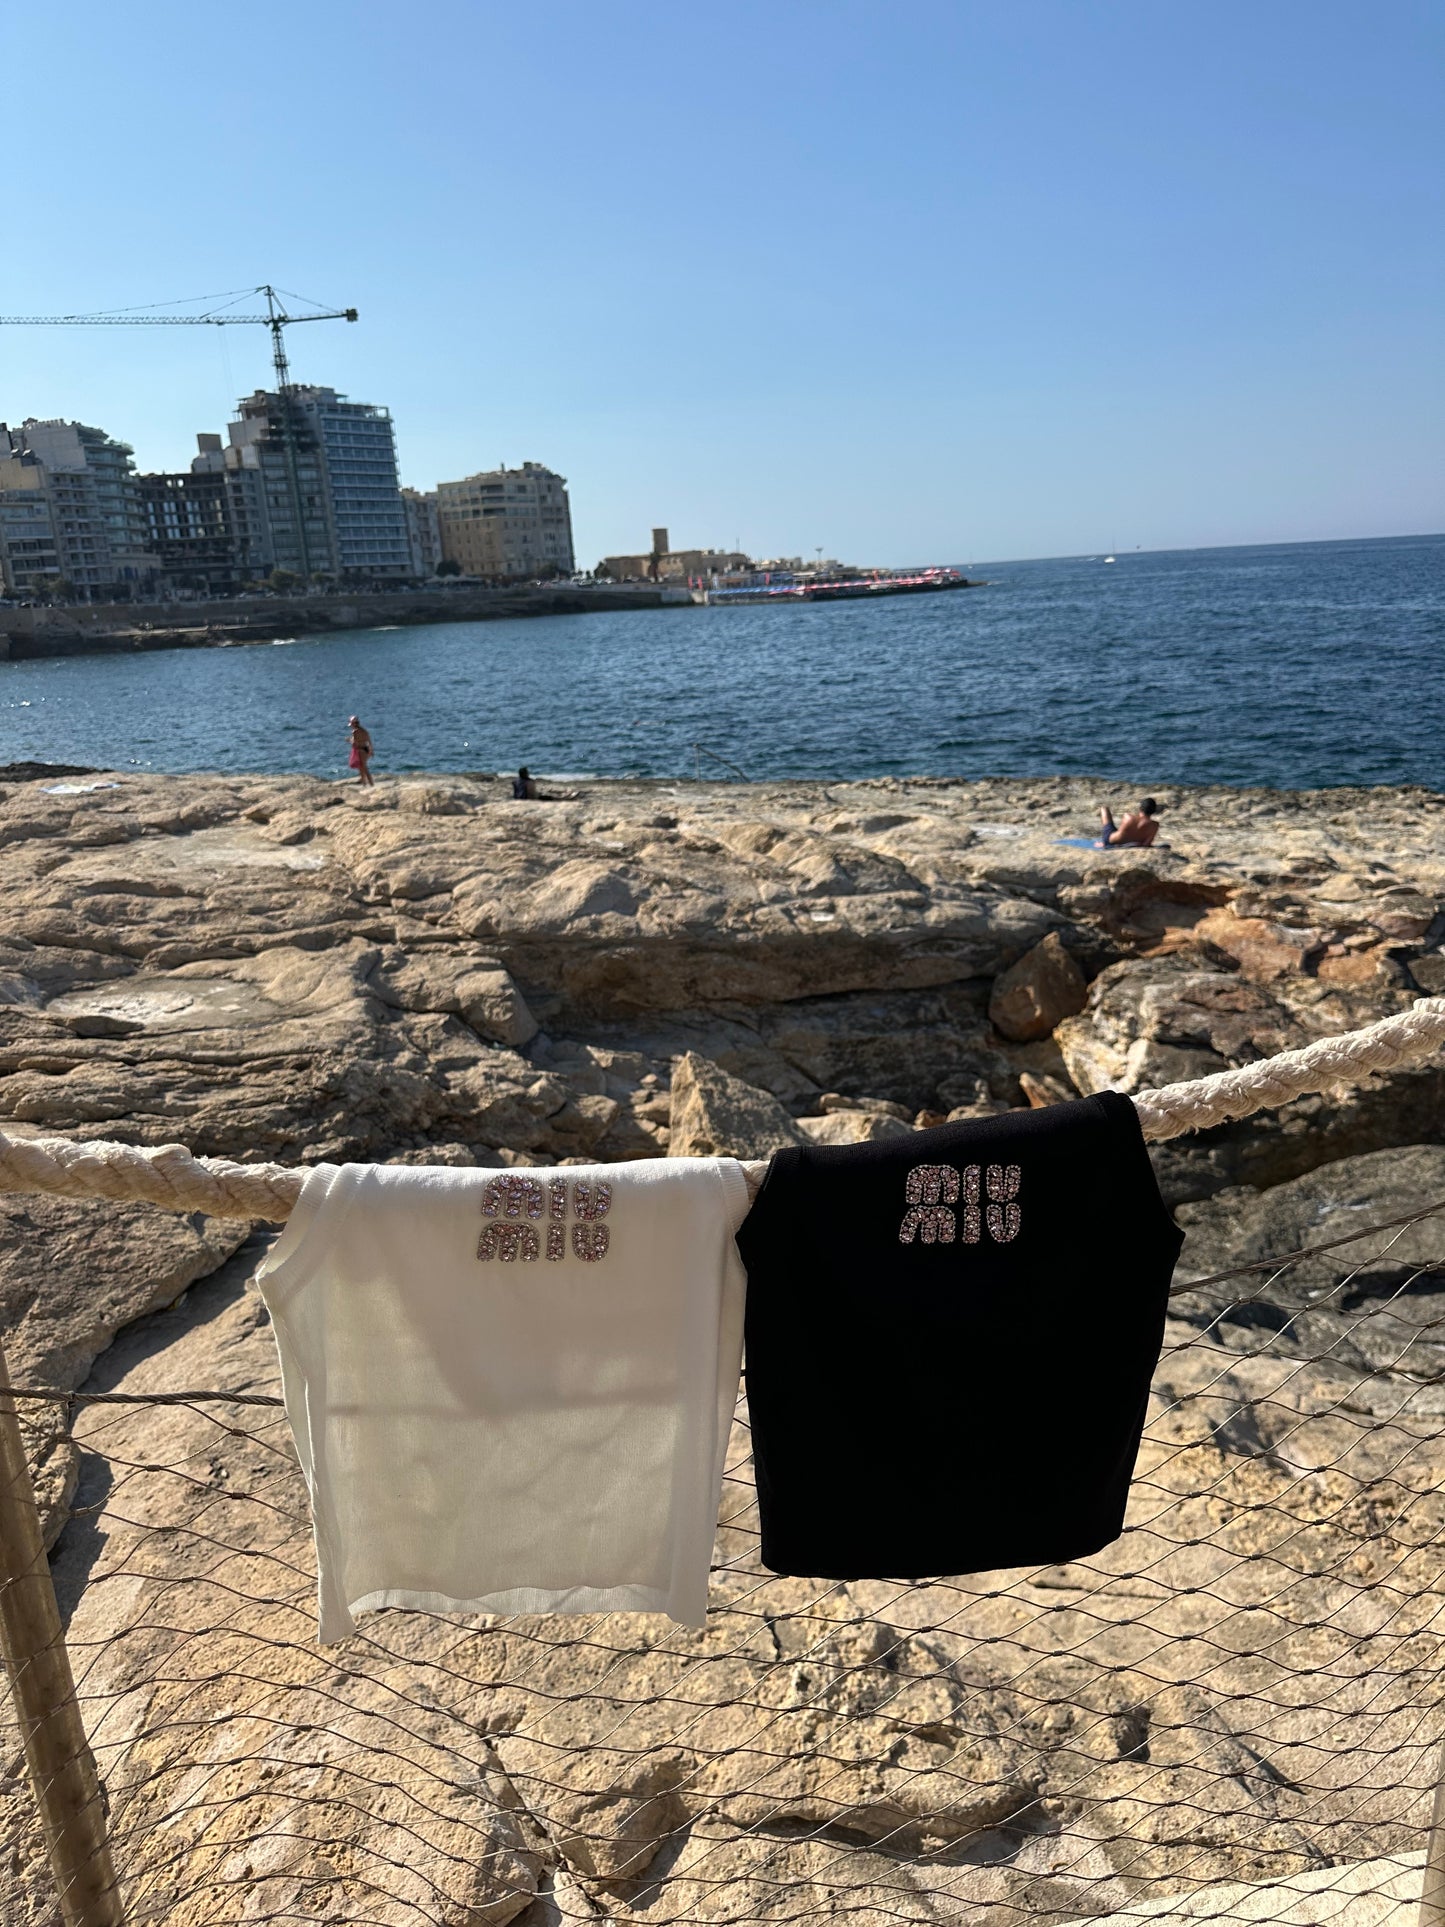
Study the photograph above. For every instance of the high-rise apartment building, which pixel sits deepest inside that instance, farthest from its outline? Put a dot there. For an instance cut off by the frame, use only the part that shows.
(238, 464)
(423, 530)
(283, 480)
(507, 523)
(92, 517)
(311, 487)
(190, 530)
(357, 446)
(29, 559)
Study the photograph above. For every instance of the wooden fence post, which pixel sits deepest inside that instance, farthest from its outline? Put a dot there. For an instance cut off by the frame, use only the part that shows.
(57, 1753)
(1432, 1893)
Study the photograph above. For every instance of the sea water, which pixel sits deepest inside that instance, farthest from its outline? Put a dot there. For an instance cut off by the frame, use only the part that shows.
(1293, 666)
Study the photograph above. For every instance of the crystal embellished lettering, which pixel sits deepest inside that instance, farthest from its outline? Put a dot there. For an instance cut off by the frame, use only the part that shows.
(932, 1224)
(591, 1201)
(931, 1184)
(931, 1188)
(516, 1201)
(972, 1216)
(512, 1196)
(1004, 1216)
(508, 1242)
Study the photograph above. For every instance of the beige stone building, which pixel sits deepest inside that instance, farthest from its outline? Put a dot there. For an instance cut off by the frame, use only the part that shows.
(29, 557)
(674, 565)
(423, 530)
(507, 522)
(71, 503)
(680, 564)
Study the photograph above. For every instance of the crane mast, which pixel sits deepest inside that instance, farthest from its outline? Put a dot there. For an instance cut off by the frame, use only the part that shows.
(276, 318)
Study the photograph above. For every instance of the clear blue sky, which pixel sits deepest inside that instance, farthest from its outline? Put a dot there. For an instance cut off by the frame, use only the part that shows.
(906, 281)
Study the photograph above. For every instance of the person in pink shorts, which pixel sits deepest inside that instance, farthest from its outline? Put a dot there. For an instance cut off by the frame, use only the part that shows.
(361, 753)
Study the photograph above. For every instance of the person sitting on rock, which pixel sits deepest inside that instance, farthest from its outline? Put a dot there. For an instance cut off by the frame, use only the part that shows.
(1138, 828)
(524, 790)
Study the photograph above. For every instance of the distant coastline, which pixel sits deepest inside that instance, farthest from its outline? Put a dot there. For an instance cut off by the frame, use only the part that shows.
(120, 628)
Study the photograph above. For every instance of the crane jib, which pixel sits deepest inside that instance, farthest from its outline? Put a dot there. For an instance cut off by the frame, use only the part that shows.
(276, 318)
(167, 320)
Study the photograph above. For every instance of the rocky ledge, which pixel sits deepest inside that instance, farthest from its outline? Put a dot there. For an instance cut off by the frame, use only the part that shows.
(288, 969)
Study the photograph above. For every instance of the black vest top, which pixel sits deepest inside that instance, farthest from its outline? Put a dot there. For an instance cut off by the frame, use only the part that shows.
(950, 1337)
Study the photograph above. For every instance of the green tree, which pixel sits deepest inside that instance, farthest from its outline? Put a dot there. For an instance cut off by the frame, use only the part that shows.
(448, 567)
(285, 581)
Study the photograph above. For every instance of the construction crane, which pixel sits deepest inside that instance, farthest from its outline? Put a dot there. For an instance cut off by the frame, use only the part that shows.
(277, 318)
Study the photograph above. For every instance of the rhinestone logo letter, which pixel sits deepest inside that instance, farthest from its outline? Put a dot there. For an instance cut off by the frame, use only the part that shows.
(932, 1190)
(512, 1205)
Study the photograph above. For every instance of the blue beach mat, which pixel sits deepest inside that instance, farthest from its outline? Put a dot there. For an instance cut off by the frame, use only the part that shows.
(1113, 849)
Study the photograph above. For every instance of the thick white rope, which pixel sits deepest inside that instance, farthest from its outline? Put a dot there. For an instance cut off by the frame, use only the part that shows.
(167, 1175)
(1347, 1059)
(170, 1176)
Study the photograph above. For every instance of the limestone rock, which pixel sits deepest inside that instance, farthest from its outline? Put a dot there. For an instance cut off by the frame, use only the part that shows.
(494, 1007)
(969, 1094)
(1041, 1090)
(1038, 992)
(1264, 950)
(881, 1106)
(1156, 1019)
(581, 1123)
(475, 988)
(716, 1115)
(1335, 1201)
(255, 964)
(903, 1046)
(1152, 1021)
(722, 1876)
(72, 1273)
(607, 1810)
(437, 799)
(1363, 1893)
(1374, 968)
(852, 1127)
(670, 922)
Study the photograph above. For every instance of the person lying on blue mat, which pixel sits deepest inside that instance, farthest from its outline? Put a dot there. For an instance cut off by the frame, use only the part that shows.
(1139, 827)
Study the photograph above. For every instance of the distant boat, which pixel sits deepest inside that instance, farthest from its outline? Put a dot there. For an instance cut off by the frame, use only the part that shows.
(1108, 558)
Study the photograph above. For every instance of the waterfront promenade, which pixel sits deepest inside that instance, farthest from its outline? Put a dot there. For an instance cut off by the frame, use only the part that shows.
(104, 628)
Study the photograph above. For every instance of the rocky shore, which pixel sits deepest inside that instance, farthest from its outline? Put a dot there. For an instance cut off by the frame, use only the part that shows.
(290, 969)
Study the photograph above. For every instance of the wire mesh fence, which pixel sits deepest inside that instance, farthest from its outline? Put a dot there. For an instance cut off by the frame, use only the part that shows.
(1234, 1712)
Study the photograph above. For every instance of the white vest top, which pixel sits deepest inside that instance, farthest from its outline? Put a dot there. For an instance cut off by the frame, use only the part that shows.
(511, 1391)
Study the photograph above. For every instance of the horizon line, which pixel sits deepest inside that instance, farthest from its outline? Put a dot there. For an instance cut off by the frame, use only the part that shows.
(1205, 548)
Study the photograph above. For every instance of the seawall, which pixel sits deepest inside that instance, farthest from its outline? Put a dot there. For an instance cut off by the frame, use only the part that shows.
(107, 627)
